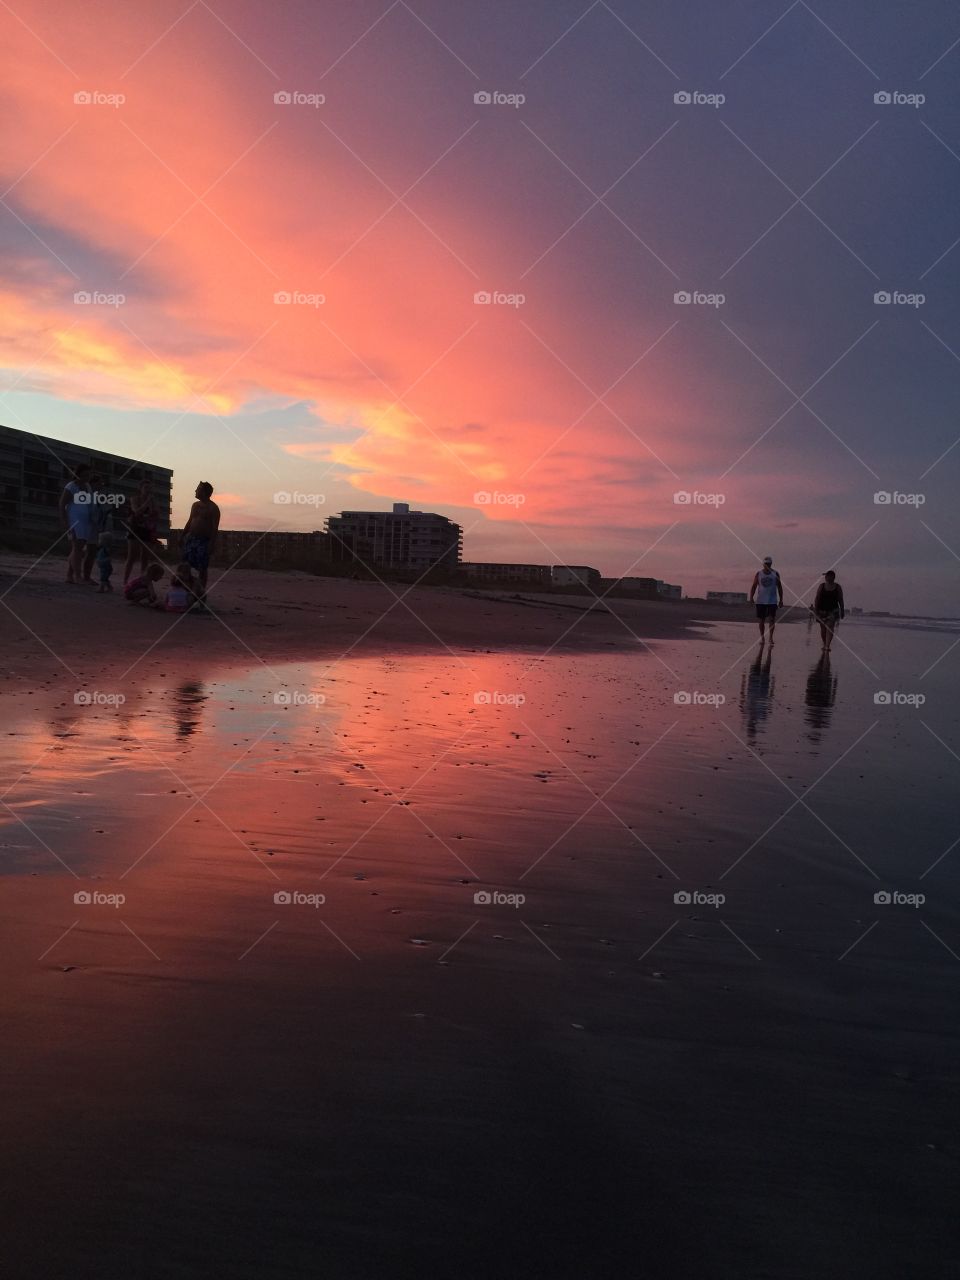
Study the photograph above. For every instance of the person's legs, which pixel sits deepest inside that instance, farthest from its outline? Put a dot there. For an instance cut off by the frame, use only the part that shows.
(132, 551)
(77, 550)
(823, 633)
(89, 555)
(773, 623)
(831, 623)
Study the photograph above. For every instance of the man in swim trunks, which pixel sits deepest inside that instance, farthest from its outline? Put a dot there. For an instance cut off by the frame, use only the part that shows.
(200, 534)
(768, 590)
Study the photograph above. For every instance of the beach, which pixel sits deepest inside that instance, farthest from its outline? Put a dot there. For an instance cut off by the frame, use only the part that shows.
(458, 934)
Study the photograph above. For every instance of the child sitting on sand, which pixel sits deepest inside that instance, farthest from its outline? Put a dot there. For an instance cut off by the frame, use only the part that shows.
(142, 591)
(104, 563)
(183, 593)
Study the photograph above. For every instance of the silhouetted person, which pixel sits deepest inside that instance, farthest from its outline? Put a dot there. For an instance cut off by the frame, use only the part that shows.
(768, 590)
(200, 533)
(828, 606)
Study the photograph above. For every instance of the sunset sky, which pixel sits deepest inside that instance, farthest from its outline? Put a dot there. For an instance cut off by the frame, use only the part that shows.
(598, 398)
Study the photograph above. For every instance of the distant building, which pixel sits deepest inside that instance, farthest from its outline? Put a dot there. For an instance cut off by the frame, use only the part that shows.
(575, 575)
(256, 549)
(34, 469)
(531, 575)
(728, 597)
(669, 591)
(399, 539)
(856, 611)
(636, 588)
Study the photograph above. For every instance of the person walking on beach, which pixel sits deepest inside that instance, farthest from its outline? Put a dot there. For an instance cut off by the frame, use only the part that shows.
(76, 511)
(768, 591)
(200, 534)
(828, 606)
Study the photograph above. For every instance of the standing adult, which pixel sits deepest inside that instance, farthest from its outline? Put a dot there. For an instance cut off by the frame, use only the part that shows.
(768, 591)
(141, 522)
(828, 606)
(76, 507)
(98, 524)
(200, 533)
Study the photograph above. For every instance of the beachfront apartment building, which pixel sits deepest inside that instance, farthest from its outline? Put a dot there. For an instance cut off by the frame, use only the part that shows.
(34, 470)
(399, 539)
(528, 575)
(575, 575)
(669, 591)
(728, 597)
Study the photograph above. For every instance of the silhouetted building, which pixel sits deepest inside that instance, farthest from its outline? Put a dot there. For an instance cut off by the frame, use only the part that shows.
(34, 469)
(399, 539)
(728, 597)
(575, 575)
(531, 575)
(669, 591)
(632, 588)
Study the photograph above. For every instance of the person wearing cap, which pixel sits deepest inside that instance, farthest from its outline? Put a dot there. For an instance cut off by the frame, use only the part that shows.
(767, 589)
(828, 607)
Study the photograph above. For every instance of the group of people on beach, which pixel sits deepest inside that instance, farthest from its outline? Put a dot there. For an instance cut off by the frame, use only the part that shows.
(767, 592)
(85, 511)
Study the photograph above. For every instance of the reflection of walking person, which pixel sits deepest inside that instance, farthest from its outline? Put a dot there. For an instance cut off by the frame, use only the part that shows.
(756, 693)
(820, 696)
(768, 590)
(828, 606)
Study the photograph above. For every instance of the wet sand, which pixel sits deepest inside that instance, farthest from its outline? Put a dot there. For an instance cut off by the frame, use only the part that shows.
(405, 1079)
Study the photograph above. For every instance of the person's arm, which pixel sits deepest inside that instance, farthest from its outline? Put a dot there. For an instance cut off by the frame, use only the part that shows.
(780, 590)
(816, 599)
(753, 589)
(186, 527)
(840, 599)
(66, 500)
(216, 527)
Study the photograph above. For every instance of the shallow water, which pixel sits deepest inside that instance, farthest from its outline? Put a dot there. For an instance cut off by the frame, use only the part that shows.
(376, 910)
